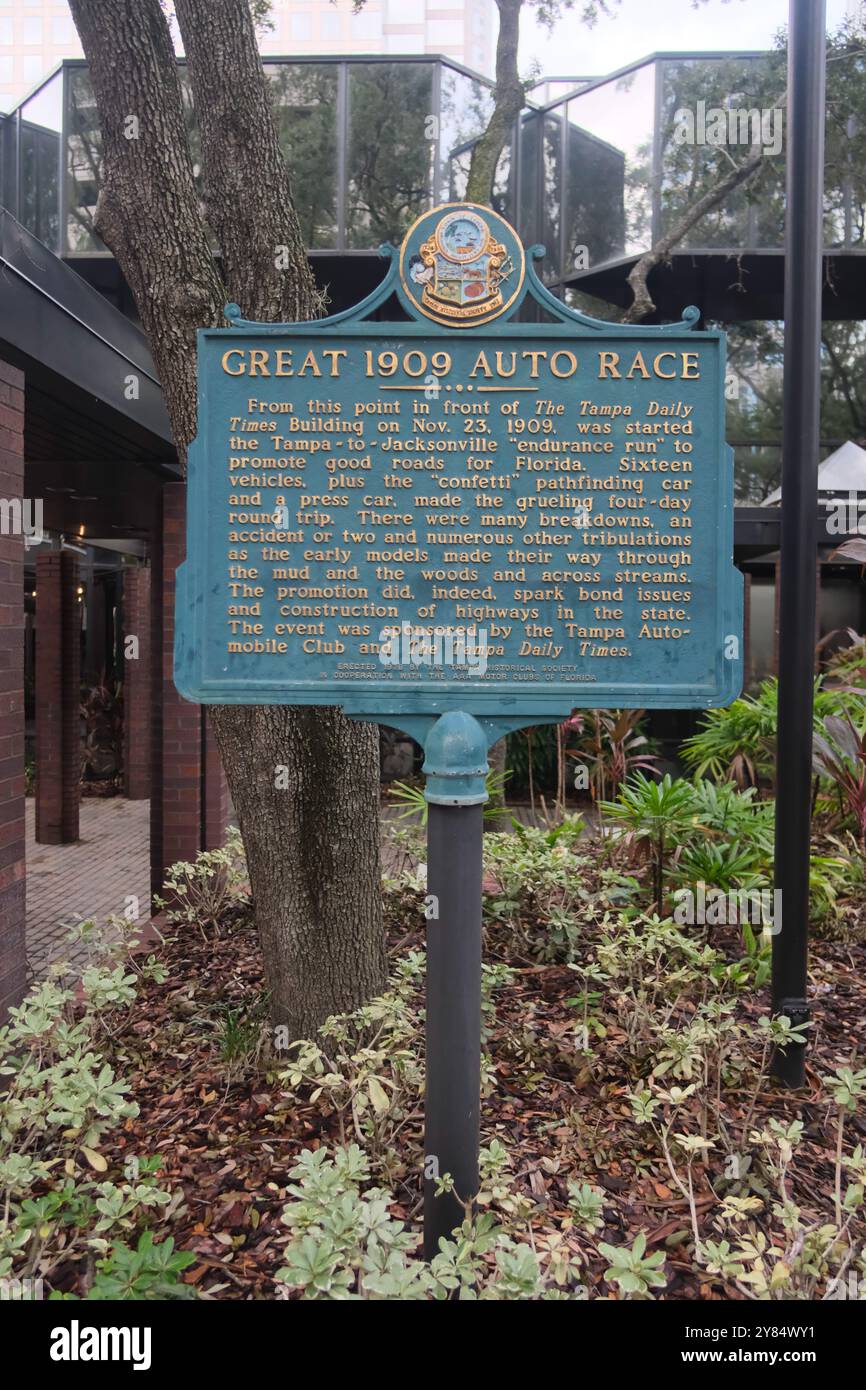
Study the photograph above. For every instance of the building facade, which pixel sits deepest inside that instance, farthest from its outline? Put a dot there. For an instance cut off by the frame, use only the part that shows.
(36, 35)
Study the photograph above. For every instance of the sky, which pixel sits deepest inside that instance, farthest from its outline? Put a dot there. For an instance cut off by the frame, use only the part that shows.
(640, 27)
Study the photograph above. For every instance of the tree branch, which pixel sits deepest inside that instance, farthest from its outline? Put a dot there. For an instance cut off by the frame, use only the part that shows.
(642, 302)
(508, 99)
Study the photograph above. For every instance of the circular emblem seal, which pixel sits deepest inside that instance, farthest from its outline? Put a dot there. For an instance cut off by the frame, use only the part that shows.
(461, 264)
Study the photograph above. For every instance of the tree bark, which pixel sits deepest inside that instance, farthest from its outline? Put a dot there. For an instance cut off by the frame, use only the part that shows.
(496, 759)
(247, 189)
(508, 97)
(309, 851)
(313, 847)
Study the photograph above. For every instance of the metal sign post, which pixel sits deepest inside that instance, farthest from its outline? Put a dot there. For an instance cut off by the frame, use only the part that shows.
(459, 525)
(455, 765)
(804, 241)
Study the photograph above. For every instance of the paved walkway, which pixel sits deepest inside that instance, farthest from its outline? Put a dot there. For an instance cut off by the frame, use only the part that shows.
(107, 873)
(99, 876)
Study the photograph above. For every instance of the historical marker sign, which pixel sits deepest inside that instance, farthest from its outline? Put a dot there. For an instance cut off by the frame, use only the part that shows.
(459, 511)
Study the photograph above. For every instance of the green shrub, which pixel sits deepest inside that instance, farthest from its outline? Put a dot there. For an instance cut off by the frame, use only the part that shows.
(346, 1245)
(737, 743)
(59, 1098)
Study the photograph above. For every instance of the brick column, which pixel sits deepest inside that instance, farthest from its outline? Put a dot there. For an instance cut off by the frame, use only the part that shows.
(189, 802)
(58, 697)
(176, 782)
(12, 879)
(136, 683)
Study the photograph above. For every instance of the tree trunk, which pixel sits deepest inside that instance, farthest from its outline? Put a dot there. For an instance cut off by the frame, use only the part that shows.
(508, 97)
(496, 759)
(306, 849)
(313, 847)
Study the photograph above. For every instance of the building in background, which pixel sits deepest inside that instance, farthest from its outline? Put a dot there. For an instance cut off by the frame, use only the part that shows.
(35, 35)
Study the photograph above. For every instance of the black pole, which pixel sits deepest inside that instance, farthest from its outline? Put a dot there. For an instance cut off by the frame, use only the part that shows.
(454, 836)
(800, 438)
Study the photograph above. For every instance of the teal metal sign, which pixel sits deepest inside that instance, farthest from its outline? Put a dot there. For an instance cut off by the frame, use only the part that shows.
(457, 511)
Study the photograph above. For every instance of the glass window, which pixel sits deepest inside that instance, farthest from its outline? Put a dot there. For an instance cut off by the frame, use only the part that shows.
(464, 112)
(63, 30)
(39, 207)
(595, 191)
(31, 29)
(365, 28)
(304, 97)
(551, 194)
(503, 184)
(845, 146)
(447, 33)
(390, 152)
(612, 127)
(407, 12)
(83, 162)
(704, 100)
(530, 161)
(762, 626)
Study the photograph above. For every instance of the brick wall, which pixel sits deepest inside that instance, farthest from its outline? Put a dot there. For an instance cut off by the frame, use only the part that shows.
(136, 685)
(12, 879)
(58, 698)
(176, 804)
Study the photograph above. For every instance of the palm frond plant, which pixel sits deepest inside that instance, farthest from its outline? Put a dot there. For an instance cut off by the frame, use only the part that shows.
(738, 743)
(722, 809)
(415, 806)
(652, 814)
(728, 866)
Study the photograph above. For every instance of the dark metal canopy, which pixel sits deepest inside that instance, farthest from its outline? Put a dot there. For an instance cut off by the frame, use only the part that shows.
(730, 285)
(97, 439)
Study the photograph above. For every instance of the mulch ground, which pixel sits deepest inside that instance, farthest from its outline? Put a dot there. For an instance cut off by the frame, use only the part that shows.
(228, 1135)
